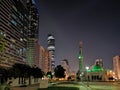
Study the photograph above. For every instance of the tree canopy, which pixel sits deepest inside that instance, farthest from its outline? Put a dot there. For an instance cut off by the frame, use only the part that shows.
(59, 72)
(23, 70)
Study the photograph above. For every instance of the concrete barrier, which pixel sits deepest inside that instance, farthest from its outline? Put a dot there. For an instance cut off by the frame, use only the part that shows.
(43, 84)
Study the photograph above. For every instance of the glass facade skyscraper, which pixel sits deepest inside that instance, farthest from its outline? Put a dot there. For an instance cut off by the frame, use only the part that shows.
(32, 31)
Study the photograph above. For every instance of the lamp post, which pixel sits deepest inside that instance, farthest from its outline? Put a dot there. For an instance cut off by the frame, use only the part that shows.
(87, 68)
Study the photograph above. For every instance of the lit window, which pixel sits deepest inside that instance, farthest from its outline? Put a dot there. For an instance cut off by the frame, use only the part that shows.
(21, 39)
(13, 15)
(13, 22)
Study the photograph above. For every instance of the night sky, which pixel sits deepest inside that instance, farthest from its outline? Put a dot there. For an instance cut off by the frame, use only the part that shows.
(95, 22)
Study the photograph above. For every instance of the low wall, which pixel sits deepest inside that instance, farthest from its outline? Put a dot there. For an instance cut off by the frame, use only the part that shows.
(41, 83)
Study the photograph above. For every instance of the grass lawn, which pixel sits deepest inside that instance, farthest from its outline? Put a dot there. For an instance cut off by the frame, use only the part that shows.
(60, 88)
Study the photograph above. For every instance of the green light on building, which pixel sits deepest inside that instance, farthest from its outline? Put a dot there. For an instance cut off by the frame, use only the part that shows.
(97, 68)
(80, 56)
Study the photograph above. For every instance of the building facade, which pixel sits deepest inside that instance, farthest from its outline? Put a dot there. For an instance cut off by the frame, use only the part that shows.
(66, 66)
(97, 76)
(98, 73)
(116, 66)
(44, 62)
(13, 32)
(18, 32)
(32, 31)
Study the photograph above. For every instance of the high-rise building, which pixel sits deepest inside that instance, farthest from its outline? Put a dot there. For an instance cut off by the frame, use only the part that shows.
(51, 49)
(37, 54)
(47, 63)
(13, 32)
(43, 61)
(66, 66)
(116, 66)
(33, 19)
(32, 31)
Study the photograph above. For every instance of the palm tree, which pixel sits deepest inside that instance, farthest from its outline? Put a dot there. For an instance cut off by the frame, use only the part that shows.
(3, 75)
(20, 71)
(23, 71)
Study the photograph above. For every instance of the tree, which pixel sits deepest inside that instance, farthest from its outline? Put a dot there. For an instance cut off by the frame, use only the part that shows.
(21, 71)
(36, 72)
(59, 72)
(3, 75)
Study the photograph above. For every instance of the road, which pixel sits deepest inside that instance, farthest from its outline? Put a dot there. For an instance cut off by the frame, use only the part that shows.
(104, 86)
(93, 85)
(80, 85)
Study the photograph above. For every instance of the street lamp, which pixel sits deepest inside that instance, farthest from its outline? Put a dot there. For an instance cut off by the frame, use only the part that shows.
(87, 68)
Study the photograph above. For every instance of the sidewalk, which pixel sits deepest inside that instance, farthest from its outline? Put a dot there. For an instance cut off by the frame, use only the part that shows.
(31, 87)
(105, 86)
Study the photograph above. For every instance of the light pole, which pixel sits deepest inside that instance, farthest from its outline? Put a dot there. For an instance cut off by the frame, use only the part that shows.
(87, 68)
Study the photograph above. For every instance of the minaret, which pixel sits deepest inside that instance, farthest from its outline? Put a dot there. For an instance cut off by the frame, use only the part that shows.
(51, 49)
(80, 57)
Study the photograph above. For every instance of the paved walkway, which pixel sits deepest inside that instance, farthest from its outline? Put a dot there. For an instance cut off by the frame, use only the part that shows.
(33, 87)
(81, 86)
(104, 86)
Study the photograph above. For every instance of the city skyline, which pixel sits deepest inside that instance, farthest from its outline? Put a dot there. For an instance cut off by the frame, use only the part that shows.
(96, 23)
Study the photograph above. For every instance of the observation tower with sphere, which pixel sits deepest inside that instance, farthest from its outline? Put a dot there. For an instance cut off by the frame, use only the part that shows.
(51, 49)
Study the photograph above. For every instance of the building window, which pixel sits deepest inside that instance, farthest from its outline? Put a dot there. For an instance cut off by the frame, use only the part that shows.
(13, 22)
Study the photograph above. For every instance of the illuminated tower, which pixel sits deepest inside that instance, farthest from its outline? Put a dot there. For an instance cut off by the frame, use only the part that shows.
(51, 49)
(80, 57)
